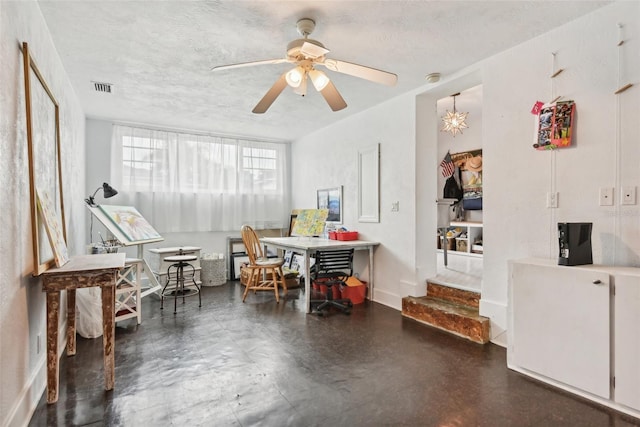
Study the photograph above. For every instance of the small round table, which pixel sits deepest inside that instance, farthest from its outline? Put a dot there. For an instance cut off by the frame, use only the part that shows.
(180, 262)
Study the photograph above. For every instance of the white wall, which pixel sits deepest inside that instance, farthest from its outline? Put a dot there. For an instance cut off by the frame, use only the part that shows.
(328, 158)
(516, 177)
(22, 306)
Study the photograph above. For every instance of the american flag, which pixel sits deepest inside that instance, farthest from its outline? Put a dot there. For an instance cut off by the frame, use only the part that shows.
(447, 166)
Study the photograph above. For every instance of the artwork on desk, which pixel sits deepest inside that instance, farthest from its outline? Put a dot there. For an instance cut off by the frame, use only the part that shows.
(297, 264)
(310, 222)
(53, 227)
(130, 222)
(331, 199)
(288, 256)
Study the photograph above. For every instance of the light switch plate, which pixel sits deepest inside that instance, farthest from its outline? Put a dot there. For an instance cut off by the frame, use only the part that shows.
(606, 196)
(628, 195)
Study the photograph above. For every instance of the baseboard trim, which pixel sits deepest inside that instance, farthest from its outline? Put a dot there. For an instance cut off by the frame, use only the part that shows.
(497, 313)
(27, 401)
(388, 299)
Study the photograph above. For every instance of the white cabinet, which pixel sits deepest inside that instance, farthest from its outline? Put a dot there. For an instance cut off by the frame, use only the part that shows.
(561, 324)
(468, 240)
(627, 340)
(156, 260)
(577, 328)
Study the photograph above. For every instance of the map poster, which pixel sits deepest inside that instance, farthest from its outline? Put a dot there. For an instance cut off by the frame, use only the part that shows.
(310, 222)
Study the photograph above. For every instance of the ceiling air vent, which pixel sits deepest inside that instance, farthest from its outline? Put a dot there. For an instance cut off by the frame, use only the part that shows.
(102, 87)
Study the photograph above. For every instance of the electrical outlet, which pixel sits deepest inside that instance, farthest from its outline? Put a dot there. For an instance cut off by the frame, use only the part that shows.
(606, 196)
(628, 195)
(395, 206)
(552, 199)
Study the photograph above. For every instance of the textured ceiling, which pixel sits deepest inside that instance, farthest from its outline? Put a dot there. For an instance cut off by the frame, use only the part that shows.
(159, 54)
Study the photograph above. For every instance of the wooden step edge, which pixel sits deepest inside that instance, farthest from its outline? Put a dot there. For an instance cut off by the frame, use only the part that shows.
(482, 338)
(459, 296)
(444, 306)
(472, 327)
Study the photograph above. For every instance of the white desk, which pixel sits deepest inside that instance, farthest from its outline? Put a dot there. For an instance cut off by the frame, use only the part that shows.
(309, 245)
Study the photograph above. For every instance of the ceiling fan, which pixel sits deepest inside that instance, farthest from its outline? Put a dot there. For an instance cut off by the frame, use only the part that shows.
(307, 53)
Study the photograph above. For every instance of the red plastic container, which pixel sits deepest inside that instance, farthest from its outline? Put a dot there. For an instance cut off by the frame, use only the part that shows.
(347, 235)
(335, 289)
(355, 293)
(332, 235)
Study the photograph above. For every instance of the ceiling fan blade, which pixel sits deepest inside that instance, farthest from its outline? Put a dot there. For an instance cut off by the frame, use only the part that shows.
(368, 73)
(333, 97)
(271, 95)
(250, 64)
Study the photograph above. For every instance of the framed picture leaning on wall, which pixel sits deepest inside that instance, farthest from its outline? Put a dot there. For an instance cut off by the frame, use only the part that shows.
(331, 199)
(42, 116)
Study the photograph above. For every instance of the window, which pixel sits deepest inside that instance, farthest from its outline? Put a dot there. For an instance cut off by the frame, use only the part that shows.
(232, 181)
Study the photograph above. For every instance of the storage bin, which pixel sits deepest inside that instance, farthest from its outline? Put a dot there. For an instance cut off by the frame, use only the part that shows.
(461, 245)
(335, 289)
(355, 293)
(333, 235)
(347, 235)
(214, 271)
(355, 290)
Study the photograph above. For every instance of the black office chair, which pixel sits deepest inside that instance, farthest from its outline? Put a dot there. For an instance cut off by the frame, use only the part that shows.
(332, 268)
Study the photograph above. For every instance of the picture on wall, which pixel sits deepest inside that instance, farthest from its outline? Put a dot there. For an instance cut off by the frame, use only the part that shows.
(470, 166)
(43, 149)
(555, 125)
(331, 199)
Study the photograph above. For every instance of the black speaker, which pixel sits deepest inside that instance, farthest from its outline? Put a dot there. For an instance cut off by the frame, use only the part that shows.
(575, 243)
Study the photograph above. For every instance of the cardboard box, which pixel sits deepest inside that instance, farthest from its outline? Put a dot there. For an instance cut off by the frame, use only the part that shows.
(461, 245)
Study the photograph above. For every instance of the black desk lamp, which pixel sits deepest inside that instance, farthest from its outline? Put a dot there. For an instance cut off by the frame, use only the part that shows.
(108, 190)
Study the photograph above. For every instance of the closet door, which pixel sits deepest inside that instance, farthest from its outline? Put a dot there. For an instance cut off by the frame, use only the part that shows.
(560, 320)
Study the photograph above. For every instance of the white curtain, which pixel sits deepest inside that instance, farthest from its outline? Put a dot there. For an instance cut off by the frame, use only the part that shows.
(187, 182)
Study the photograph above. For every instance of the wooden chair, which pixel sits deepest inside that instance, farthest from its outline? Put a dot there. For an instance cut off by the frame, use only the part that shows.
(264, 273)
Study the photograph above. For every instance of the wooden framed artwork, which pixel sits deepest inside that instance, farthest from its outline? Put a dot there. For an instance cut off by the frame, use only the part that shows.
(45, 171)
(53, 227)
(130, 224)
(331, 199)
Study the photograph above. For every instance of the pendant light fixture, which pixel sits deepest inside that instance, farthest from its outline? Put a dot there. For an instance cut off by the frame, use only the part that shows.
(454, 121)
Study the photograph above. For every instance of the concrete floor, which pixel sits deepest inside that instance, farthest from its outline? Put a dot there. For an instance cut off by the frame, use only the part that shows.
(260, 363)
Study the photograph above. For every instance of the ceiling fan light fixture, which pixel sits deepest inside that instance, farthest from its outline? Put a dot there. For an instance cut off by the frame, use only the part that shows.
(295, 77)
(302, 87)
(319, 79)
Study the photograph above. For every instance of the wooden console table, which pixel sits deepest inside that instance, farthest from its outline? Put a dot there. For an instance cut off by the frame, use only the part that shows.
(82, 271)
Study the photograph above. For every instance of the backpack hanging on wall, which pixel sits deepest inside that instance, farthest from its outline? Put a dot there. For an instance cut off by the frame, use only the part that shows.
(452, 189)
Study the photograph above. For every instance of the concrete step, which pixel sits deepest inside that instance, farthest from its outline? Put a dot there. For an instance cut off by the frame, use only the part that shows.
(462, 320)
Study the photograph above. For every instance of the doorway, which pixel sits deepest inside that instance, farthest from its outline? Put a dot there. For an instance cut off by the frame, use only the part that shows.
(463, 240)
